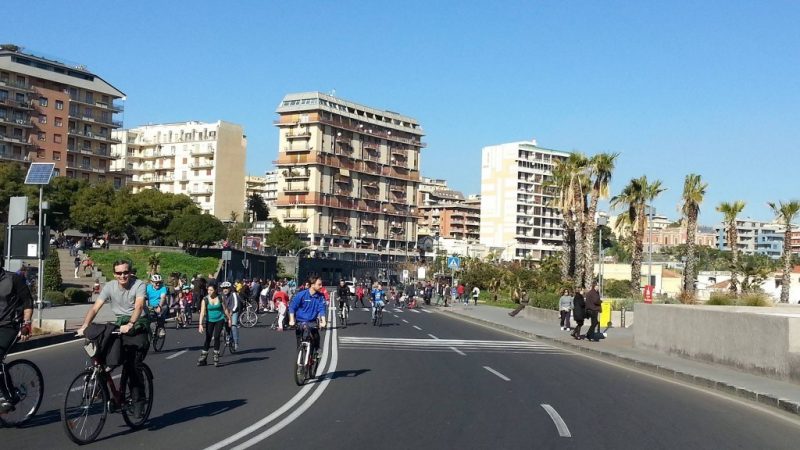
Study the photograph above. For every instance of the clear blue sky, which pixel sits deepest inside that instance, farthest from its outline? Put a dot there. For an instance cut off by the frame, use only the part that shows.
(711, 87)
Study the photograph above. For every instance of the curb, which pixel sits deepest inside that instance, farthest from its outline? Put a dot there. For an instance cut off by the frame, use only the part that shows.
(720, 386)
(43, 342)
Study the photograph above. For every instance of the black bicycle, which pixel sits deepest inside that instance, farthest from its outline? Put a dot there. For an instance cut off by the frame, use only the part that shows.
(307, 362)
(157, 332)
(25, 386)
(377, 319)
(93, 394)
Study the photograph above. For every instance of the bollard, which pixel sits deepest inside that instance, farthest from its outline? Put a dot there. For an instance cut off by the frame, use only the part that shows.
(622, 318)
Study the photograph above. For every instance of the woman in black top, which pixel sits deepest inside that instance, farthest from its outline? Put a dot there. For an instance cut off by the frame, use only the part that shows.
(578, 313)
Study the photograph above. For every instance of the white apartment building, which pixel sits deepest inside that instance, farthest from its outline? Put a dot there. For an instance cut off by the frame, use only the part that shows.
(205, 161)
(266, 187)
(516, 220)
(755, 237)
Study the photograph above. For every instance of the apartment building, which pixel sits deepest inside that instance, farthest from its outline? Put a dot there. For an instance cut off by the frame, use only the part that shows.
(755, 237)
(446, 213)
(516, 219)
(348, 174)
(674, 236)
(54, 112)
(205, 161)
(266, 187)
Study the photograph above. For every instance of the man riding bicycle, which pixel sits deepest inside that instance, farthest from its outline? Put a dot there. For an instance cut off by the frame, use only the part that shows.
(127, 296)
(157, 299)
(305, 308)
(342, 293)
(378, 297)
(15, 304)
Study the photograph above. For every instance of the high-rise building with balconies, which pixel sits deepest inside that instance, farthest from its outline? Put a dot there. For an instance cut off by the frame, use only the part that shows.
(517, 219)
(54, 112)
(205, 161)
(348, 174)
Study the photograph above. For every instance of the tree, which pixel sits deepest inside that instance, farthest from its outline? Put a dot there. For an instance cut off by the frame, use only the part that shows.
(258, 208)
(146, 215)
(196, 230)
(92, 210)
(236, 232)
(729, 212)
(785, 213)
(283, 239)
(634, 197)
(693, 192)
(12, 184)
(570, 183)
(601, 168)
(52, 272)
(61, 194)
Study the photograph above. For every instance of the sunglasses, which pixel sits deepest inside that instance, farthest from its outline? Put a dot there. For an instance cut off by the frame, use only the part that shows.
(124, 272)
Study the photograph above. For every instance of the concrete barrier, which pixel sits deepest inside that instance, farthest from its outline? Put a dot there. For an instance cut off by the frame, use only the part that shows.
(549, 315)
(53, 325)
(765, 341)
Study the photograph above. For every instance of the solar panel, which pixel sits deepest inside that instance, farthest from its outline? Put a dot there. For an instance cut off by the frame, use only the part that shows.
(40, 173)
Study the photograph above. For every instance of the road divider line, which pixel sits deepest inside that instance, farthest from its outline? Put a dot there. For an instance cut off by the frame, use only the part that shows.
(500, 375)
(404, 320)
(426, 311)
(561, 426)
(420, 329)
(458, 351)
(302, 408)
(414, 310)
(287, 406)
(177, 354)
(432, 336)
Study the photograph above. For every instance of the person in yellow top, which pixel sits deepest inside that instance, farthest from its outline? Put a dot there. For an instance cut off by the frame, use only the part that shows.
(239, 285)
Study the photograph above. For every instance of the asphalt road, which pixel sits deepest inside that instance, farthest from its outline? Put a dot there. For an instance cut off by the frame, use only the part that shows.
(423, 380)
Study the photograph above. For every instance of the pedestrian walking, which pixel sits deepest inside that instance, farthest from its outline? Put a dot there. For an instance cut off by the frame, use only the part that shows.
(476, 292)
(564, 307)
(359, 296)
(77, 262)
(523, 302)
(593, 304)
(578, 313)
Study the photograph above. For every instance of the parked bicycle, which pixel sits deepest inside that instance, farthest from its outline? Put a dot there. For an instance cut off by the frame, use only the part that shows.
(248, 317)
(93, 394)
(306, 365)
(25, 387)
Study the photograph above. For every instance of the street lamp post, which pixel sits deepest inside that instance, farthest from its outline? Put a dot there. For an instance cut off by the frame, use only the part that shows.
(650, 245)
(601, 222)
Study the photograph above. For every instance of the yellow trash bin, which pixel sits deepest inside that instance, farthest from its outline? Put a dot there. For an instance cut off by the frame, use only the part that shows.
(605, 314)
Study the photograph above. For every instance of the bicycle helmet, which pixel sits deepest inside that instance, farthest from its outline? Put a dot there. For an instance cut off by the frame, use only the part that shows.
(225, 284)
(186, 287)
(155, 278)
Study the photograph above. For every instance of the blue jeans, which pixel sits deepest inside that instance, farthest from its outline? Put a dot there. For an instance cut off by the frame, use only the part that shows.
(376, 305)
(235, 327)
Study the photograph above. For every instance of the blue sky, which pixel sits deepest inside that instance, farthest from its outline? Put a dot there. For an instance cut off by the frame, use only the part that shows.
(711, 87)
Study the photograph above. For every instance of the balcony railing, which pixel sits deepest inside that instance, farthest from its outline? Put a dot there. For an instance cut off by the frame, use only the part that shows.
(18, 85)
(294, 188)
(16, 104)
(202, 165)
(295, 174)
(18, 157)
(298, 135)
(14, 139)
(95, 136)
(304, 149)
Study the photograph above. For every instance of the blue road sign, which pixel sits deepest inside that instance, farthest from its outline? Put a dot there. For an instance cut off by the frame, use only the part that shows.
(453, 262)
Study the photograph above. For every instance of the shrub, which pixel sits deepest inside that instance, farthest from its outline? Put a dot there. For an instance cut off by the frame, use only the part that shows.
(686, 298)
(55, 297)
(616, 288)
(52, 272)
(545, 300)
(721, 299)
(76, 295)
(755, 300)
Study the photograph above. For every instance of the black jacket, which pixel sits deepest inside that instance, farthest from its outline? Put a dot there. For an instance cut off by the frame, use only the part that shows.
(14, 297)
(578, 307)
(342, 292)
(593, 301)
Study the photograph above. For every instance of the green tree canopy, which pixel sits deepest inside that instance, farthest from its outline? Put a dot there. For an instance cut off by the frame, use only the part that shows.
(12, 184)
(196, 229)
(145, 215)
(61, 194)
(92, 209)
(283, 239)
(258, 207)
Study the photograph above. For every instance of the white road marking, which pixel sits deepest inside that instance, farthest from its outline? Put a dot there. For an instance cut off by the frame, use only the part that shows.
(502, 377)
(177, 354)
(414, 310)
(458, 351)
(45, 347)
(404, 320)
(330, 341)
(420, 329)
(561, 426)
(426, 311)
(432, 336)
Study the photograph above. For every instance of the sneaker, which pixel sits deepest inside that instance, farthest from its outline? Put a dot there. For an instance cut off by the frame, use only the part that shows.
(162, 332)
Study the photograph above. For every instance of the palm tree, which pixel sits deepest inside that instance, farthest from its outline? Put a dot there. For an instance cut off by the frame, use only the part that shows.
(569, 182)
(601, 167)
(693, 192)
(634, 197)
(729, 212)
(786, 213)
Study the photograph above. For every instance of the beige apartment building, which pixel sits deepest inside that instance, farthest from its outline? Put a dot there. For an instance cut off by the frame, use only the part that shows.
(266, 187)
(205, 161)
(516, 219)
(446, 213)
(348, 174)
(54, 112)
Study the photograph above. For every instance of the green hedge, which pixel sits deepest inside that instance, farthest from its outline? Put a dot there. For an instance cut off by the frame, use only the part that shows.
(76, 295)
(55, 297)
(52, 272)
(545, 300)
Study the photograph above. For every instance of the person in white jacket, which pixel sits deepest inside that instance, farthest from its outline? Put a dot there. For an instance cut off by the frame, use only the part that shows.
(565, 307)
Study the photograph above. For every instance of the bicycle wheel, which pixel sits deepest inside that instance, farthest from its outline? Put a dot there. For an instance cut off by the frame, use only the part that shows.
(27, 390)
(129, 413)
(300, 369)
(223, 340)
(159, 336)
(380, 317)
(85, 407)
(248, 318)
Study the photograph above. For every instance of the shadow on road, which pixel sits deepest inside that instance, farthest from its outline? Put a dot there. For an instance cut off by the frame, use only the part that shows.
(254, 350)
(189, 413)
(243, 360)
(45, 418)
(344, 374)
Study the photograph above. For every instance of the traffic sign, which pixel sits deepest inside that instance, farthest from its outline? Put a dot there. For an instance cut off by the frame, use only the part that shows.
(453, 262)
(226, 255)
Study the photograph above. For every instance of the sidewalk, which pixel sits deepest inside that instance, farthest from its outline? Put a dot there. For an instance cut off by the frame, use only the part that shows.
(618, 347)
(73, 314)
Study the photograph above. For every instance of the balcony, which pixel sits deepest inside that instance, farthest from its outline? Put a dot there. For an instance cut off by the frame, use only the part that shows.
(347, 190)
(26, 105)
(207, 164)
(342, 179)
(291, 135)
(24, 122)
(346, 125)
(372, 158)
(95, 136)
(295, 174)
(340, 219)
(296, 217)
(343, 150)
(399, 153)
(201, 191)
(369, 195)
(397, 188)
(13, 157)
(296, 188)
(304, 149)
(16, 85)
(15, 140)
(202, 151)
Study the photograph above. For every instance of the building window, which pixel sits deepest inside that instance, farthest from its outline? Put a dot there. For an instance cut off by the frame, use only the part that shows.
(42, 119)
(208, 172)
(57, 138)
(42, 136)
(56, 156)
(40, 153)
(59, 105)
(42, 101)
(57, 172)
(59, 122)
